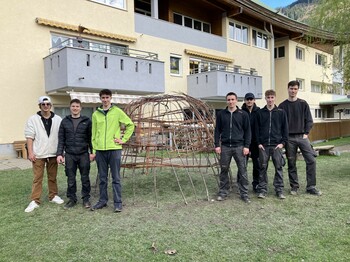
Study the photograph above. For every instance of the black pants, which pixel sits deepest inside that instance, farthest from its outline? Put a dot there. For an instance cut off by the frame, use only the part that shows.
(242, 178)
(277, 159)
(73, 162)
(254, 155)
(309, 156)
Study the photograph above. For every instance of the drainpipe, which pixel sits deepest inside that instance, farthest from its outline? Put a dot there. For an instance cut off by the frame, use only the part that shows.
(270, 34)
(154, 9)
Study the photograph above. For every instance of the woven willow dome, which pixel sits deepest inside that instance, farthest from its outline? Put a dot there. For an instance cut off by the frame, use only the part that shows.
(172, 133)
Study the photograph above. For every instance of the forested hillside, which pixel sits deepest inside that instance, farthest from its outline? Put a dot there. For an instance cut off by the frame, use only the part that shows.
(299, 10)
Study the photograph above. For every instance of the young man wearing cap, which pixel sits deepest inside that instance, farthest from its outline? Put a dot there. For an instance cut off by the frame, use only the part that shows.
(251, 108)
(300, 123)
(232, 139)
(271, 129)
(74, 147)
(107, 142)
(41, 132)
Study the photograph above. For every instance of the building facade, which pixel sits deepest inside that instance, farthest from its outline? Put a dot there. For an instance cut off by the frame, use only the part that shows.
(66, 49)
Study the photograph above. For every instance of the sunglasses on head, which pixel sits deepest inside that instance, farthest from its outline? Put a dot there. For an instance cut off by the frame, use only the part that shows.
(45, 104)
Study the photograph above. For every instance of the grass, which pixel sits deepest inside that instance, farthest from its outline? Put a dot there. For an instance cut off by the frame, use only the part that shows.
(302, 228)
(336, 142)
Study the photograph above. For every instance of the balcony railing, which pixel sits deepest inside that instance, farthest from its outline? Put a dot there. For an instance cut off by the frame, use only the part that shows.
(216, 83)
(104, 48)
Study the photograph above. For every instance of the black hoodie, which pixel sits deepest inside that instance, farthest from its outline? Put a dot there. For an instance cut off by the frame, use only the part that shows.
(271, 127)
(252, 116)
(232, 129)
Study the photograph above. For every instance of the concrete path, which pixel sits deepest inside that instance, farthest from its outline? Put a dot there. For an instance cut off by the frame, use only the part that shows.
(15, 163)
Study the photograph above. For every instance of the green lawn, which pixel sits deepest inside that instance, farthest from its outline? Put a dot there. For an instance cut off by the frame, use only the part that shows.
(301, 228)
(336, 142)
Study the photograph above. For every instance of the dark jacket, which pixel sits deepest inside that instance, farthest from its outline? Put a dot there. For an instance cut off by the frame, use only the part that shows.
(232, 130)
(271, 127)
(299, 116)
(77, 142)
(252, 116)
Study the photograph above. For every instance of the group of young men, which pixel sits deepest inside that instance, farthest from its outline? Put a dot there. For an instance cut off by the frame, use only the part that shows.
(261, 134)
(74, 142)
(252, 132)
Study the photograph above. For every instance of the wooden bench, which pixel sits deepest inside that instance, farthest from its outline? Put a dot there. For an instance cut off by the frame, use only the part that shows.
(325, 150)
(20, 147)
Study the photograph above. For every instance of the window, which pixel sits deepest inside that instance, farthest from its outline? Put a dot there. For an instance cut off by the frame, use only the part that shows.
(114, 3)
(238, 32)
(299, 53)
(318, 113)
(143, 7)
(175, 65)
(279, 52)
(260, 39)
(347, 111)
(320, 59)
(301, 83)
(316, 87)
(191, 23)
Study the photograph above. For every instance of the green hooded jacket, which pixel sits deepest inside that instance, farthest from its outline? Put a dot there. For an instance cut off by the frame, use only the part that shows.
(106, 127)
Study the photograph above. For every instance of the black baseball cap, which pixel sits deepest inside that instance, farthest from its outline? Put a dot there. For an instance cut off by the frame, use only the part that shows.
(249, 95)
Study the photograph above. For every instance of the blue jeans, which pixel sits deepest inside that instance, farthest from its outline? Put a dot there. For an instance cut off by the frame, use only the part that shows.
(72, 163)
(277, 159)
(109, 159)
(309, 156)
(242, 178)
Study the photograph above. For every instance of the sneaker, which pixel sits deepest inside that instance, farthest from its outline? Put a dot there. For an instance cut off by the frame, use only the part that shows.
(280, 196)
(98, 206)
(314, 191)
(262, 195)
(220, 198)
(294, 191)
(32, 205)
(70, 204)
(245, 200)
(118, 210)
(57, 200)
(86, 204)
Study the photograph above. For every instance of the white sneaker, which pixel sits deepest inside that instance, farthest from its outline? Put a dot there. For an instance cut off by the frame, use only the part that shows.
(57, 200)
(32, 205)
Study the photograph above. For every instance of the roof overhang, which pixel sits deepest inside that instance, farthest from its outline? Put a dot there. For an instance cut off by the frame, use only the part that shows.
(341, 101)
(88, 31)
(209, 56)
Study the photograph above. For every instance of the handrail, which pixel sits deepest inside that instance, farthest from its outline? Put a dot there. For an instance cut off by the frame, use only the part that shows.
(109, 48)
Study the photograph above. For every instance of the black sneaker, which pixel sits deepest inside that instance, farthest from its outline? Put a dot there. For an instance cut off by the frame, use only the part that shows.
(118, 210)
(87, 204)
(98, 206)
(220, 198)
(71, 203)
(245, 200)
(262, 195)
(314, 191)
(294, 191)
(280, 195)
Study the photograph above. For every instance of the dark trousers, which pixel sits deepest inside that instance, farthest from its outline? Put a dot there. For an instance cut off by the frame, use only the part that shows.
(109, 159)
(242, 178)
(73, 162)
(295, 142)
(277, 159)
(254, 155)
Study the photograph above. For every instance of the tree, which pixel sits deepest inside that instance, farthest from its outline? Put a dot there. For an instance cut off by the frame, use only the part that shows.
(333, 16)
